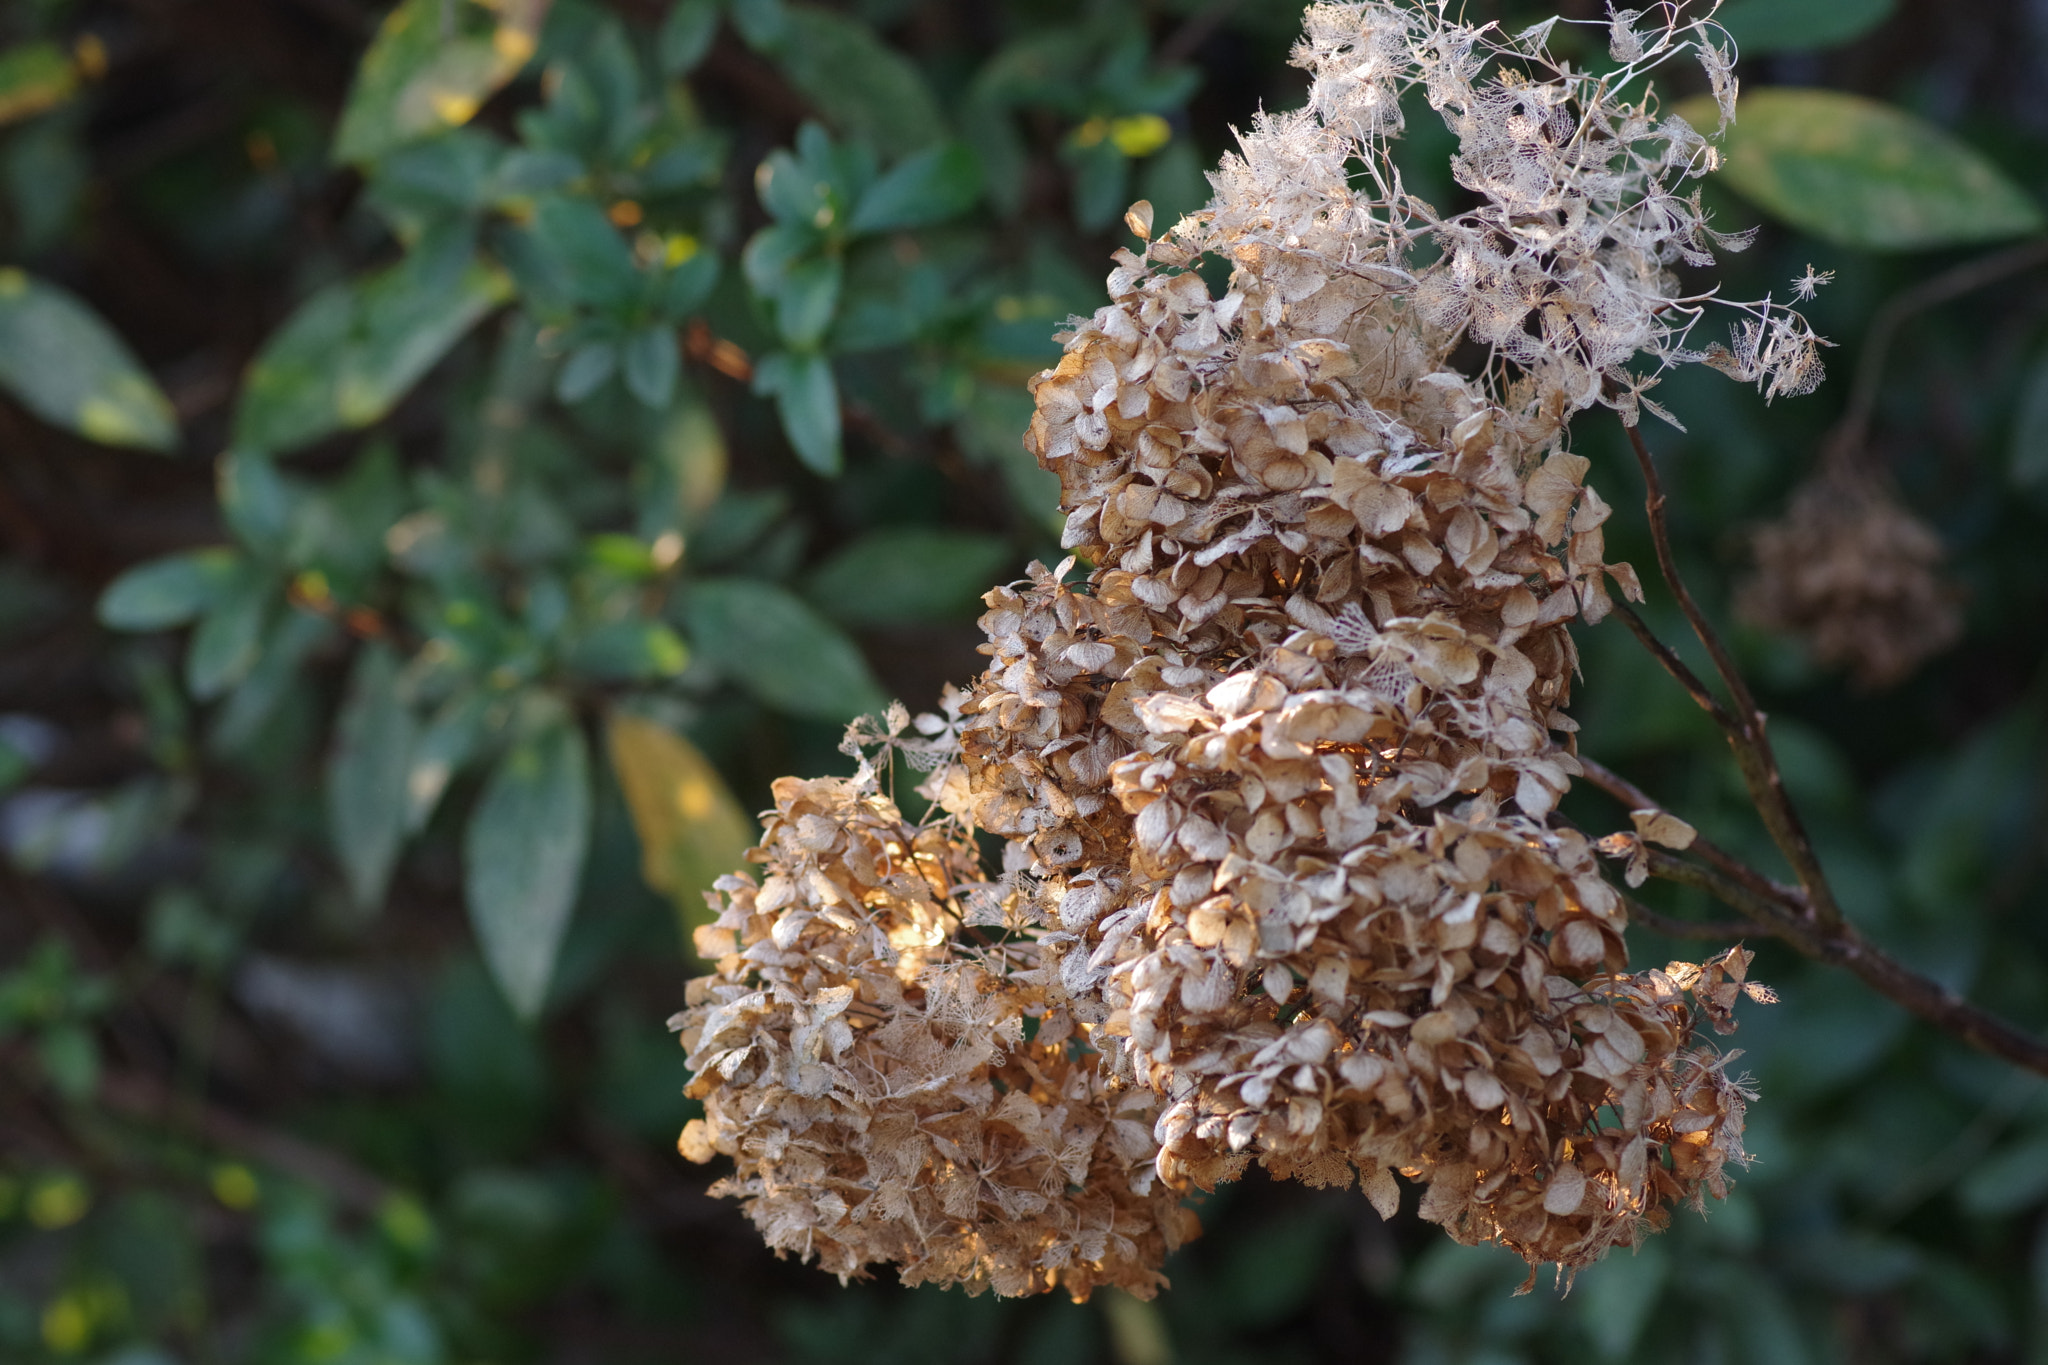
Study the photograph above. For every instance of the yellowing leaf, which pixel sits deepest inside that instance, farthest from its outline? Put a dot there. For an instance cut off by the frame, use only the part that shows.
(431, 66)
(34, 77)
(69, 368)
(692, 829)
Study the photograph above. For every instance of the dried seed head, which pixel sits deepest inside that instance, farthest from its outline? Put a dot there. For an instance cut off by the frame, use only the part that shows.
(1856, 576)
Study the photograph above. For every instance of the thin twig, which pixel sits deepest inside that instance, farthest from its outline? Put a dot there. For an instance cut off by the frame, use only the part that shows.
(1748, 740)
(1677, 668)
(1807, 917)
(1635, 798)
(1783, 914)
(1849, 434)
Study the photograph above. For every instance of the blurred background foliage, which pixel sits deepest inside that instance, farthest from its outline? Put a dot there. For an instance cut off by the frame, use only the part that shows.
(457, 455)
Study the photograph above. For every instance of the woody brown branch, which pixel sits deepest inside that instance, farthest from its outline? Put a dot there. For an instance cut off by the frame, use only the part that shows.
(1807, 917)
(1748, 739)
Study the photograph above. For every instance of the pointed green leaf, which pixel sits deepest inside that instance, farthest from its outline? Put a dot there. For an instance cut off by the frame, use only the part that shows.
(256, 500)
(523, 855)
(367, 774)
(581, 243)
(924, 188)
(251, 705)
(68, 368)
(686, 36)
(807, 400)
(170, 591)
(230, 636)
(689, 284)
(652, 364)
(354, 349)
(763, 23)
(584, 373)
(1863, 174)
(806, 300)
(779, 649)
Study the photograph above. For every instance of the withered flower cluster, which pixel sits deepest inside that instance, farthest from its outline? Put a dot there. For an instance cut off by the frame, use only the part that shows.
(1850, 571)
(1277, 781)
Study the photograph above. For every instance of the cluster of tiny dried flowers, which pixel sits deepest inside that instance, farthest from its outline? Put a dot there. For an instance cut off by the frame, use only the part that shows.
(1856, 576)
(1278, 781)
(873, 1082)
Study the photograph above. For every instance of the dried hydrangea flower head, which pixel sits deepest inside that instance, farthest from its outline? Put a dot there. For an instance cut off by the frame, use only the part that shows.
(1853, 573)
(1278, 779)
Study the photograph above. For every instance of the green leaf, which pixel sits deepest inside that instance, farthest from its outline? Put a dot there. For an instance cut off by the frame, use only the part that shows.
(630, 651)
(368, 773)
(34, 77)
(354, 349)
(764, 24)
(230, 636)
(924, 188)
(806, 301)
(522, 855)
(593, 259)
(68, 368)
(652, 364)
(795, 195)
(907, 574)
(690, 452)
(780, 650)
(1859, 173)
(407, 319)
(168, 592)
(430, 68)
(686, 36)
(861, 85)
(773, 252)
(1760, 26)
(256, 501)
(807, 400)
(443, 747)
(584, 373)
(689, 284)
